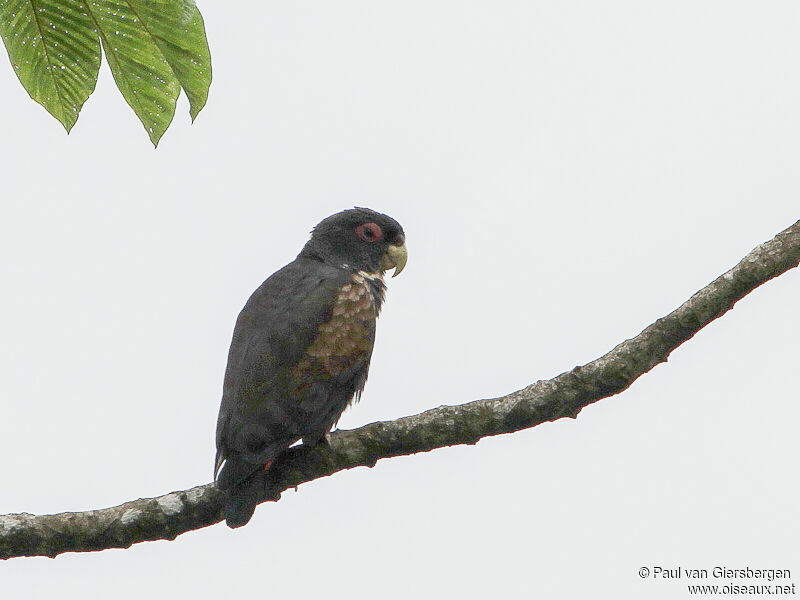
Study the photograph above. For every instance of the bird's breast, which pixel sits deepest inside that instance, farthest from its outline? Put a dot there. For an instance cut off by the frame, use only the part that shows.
(346, 340)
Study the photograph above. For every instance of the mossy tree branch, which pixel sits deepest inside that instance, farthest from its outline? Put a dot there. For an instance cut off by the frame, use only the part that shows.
(170, 515)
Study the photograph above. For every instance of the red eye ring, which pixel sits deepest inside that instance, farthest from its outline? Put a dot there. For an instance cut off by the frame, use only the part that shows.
(369, 232)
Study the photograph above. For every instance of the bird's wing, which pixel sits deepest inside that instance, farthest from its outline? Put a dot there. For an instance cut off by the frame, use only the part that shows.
(275, 328)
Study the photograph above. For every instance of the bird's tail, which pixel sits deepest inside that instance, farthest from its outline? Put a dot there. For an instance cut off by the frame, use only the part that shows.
(242, 483)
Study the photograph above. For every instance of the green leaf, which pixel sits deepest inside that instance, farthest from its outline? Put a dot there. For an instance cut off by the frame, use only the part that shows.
(142, 74)
(154, 48)
(182, 41)
(54, 51)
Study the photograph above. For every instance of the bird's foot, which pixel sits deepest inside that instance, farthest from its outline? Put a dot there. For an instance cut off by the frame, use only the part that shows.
(324, 440)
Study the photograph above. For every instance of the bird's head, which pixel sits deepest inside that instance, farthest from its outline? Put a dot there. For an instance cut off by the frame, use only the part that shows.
(359, 239)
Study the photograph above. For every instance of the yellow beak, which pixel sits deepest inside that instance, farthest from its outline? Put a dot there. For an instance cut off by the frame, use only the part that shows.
(395, 257)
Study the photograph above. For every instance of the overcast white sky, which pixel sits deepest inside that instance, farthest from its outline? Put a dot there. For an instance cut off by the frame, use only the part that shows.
(566, 172)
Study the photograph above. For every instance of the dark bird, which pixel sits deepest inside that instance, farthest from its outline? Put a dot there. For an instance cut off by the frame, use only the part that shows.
(301, 350)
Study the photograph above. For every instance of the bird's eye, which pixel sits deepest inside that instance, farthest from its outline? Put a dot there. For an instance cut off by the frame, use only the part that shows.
(369, 232)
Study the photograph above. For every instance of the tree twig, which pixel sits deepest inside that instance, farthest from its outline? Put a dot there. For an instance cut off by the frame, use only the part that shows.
(170, 515)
